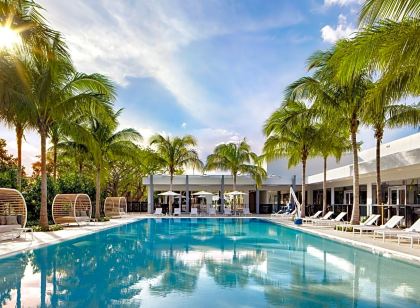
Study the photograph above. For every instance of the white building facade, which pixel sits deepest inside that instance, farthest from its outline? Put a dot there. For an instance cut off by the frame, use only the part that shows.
(400, 166)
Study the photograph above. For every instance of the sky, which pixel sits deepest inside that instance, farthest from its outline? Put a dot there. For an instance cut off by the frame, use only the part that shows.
(215, 69)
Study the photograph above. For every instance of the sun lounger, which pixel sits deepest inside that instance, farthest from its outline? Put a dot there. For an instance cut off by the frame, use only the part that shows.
(410, 236)
(370, 221)
(391, 223)
(330, 222)
(314, 216)
(325, 217)
(194, 211)
(227, 211)
(212, 211)
(394, 232)
(158, 211)
(177, 211)
(246, 211)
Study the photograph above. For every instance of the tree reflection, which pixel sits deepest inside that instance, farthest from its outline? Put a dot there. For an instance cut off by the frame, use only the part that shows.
(121, 266)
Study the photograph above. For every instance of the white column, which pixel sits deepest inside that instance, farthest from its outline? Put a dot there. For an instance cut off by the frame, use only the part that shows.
(150, 193)
(246, 200)
(310, 193)
(332, 196)
(187, 193)
(369, 199)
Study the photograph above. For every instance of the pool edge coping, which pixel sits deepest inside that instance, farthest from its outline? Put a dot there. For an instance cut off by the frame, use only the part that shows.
(385, 252)
(62, 240)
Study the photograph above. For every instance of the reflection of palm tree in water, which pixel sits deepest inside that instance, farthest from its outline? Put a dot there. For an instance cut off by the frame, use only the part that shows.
(12, 271)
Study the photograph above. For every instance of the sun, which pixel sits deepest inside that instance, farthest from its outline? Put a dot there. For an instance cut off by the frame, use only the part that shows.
(8, 38)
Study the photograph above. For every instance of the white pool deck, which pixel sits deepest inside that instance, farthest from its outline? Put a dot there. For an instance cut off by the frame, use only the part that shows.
(389, 248)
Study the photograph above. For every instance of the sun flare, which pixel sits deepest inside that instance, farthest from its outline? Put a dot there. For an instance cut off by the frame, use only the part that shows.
(8, 38)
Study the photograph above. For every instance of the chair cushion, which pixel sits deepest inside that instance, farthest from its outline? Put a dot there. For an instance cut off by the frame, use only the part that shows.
(11, 220)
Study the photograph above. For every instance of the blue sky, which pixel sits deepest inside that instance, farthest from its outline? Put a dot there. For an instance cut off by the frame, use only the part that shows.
(215, 69)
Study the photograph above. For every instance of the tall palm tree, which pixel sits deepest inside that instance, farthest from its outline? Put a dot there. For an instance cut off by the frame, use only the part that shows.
(292, 133)
(344, 102)
(104, 144)
(374, 10)
(237, 158)
(332, 140)
(55, 135)
(18, 120)
(381, 115)
(175, 154)
(54, 91)
(24, 18)
(386, 46)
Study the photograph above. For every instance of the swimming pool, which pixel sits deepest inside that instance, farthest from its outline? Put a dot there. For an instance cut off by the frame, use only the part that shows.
(205, 263)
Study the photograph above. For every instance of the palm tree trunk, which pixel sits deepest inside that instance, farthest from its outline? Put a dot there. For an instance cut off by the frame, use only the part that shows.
(302, 213)
(19, 137)
(234, 189)
(324, 189)
(98, 193)
(43, 219)
(355, 215)
(378, 135)
(55, 161)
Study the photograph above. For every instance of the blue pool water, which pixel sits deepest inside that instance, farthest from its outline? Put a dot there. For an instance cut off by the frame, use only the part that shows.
(205, 263)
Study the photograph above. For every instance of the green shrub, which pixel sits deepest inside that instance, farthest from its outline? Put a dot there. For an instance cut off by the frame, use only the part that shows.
(50, 228)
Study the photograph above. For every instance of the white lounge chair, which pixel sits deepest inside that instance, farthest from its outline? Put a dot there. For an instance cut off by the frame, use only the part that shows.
(227, 211)
(391, 223)
(212, 211)
(325, 217)
(246, 211)
(194, 211)
(414, 228)
(177, 211)
(314, 216)
(370, 221)
(409, 236)
(333, 221)
(158, 211)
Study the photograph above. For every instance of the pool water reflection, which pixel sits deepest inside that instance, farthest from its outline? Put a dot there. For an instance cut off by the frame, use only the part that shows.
(207, 263)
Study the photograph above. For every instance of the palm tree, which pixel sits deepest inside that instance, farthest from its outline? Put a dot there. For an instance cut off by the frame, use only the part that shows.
(386, 47)
(104, 144)
(18, 120)
(374, 10)
(175, 154)
(55, 136)
(342, 102)
(237, 158)
(24, 18)
(332, 140)
(382, 114)
(292, 133)
(53, 92)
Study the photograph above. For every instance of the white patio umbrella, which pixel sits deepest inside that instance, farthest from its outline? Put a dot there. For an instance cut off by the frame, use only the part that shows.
(234, 194)
(202, 193)
(169, 193)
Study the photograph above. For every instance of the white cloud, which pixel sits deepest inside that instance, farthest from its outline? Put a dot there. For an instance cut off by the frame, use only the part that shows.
(342, 30)
(184, 125)
(341, 2)
(143, 38)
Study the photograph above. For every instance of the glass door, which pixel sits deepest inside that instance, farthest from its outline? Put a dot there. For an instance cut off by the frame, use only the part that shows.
(397, 195)
(348, 197)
